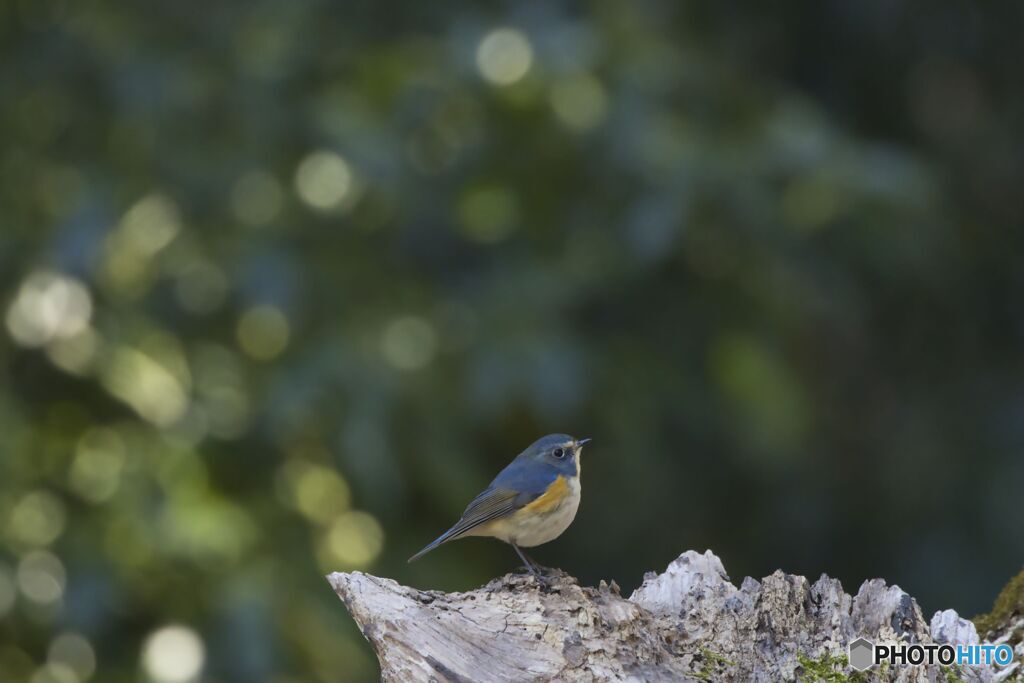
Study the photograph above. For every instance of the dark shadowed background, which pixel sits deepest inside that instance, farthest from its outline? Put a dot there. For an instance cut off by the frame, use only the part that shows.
(284, 284)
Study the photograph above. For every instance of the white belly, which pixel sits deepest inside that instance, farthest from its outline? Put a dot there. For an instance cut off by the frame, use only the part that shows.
(531, 529)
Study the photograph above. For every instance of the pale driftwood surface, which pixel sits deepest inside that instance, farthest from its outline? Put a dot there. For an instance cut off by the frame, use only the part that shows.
(689, 623)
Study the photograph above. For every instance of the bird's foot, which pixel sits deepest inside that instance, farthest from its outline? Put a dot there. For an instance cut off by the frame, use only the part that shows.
(538, 571)
(544, 582)
(548, 579)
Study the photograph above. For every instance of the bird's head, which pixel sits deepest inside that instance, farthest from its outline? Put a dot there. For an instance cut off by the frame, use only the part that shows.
(558, 450)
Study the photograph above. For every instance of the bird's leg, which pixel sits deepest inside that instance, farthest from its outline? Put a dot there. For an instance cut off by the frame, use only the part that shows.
(536, 565)
(526, 561)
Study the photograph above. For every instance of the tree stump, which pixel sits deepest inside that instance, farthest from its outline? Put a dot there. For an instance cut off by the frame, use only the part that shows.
(689, 623)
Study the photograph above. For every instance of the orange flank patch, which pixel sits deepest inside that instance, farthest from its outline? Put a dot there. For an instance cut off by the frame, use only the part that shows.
(551, 498)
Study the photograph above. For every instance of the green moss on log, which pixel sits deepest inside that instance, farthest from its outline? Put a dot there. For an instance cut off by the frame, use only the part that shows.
(1009, 603)
(827, 669)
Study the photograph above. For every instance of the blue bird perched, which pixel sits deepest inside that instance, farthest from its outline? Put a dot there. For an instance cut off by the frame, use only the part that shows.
(530, 502)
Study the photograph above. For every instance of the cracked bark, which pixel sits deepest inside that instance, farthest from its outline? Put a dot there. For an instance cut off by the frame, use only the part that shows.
(689, 623)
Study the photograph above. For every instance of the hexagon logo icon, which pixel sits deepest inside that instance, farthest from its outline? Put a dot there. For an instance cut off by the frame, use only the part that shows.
(862, 654)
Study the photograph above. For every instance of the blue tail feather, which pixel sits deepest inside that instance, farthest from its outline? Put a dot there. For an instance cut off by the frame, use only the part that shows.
(446, 536)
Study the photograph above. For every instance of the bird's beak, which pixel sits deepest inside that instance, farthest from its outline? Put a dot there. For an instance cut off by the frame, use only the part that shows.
(580, 443)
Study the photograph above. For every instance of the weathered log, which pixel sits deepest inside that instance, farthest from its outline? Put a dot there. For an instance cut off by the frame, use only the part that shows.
(688, 624)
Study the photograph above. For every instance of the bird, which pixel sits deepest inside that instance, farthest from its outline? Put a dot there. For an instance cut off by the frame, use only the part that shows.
(532, 501)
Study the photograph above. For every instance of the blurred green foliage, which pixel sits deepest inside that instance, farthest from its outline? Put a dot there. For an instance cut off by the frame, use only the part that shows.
(284, 284)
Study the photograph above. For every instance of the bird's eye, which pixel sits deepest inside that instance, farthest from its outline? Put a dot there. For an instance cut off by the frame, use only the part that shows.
(559, 453)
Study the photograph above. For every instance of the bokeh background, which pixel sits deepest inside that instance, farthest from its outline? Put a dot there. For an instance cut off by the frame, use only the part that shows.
(284, 284)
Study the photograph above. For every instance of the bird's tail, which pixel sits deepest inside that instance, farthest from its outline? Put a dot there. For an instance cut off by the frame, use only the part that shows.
(443, 538)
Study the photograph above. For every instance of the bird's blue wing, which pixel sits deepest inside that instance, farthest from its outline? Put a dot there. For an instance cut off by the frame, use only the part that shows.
(511, 489)
(491, 504)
